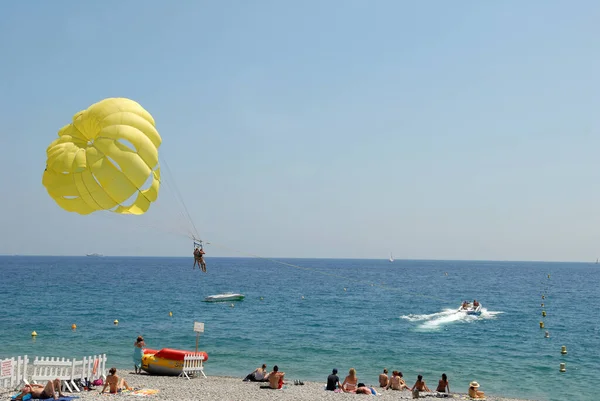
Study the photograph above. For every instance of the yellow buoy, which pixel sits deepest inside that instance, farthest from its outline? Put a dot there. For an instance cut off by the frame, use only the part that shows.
(563, 350)
(33, 334)
(544, 313)
(541, 325)
(170, 313)
(542, 305)
(116, 322)
(548, 276)
(563, 367)
(543, 297)
(74, 326)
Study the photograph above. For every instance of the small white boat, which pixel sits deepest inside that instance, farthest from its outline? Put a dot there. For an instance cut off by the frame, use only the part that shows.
(469, 309)
(228, 296)
(95, 255)
(391, 257)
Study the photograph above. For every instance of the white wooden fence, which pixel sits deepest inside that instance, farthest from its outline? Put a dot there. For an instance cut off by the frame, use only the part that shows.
(192, 365)
(14, 371)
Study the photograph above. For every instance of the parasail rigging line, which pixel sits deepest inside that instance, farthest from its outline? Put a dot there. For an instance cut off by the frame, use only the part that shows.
(312, 269)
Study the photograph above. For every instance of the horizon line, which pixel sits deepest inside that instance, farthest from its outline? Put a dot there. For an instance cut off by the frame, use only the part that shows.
(308, 258)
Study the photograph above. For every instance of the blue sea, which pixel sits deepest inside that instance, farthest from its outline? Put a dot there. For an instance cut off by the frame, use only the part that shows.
(311, 315)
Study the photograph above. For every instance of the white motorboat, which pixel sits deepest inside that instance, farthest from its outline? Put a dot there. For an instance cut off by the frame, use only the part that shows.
(95, 255)
(228, 296)
(470, 309)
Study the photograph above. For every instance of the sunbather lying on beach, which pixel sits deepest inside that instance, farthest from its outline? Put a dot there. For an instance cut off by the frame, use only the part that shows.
(362, 389)
(115, 382)
(42, 392)
(397, 382)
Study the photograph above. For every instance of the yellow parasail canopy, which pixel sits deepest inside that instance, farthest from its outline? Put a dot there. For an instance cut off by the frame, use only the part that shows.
(107, 156)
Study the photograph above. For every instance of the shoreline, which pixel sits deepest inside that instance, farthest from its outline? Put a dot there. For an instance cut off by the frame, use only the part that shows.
(234, 389)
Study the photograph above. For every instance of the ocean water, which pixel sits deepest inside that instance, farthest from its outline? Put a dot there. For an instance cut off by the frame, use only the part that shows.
(311, 315)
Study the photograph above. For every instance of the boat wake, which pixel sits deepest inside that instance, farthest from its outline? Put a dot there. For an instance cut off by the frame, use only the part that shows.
(435, 321)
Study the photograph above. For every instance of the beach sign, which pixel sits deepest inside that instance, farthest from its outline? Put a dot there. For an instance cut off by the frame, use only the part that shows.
(6, 368)
(199, 327)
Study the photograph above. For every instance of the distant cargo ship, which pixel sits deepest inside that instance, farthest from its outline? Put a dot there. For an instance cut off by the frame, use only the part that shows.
(97, 255)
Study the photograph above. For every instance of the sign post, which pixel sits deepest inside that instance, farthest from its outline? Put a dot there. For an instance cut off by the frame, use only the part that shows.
(198, 328)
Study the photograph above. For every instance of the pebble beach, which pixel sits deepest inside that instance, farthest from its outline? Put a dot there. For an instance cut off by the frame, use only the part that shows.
(234, 389)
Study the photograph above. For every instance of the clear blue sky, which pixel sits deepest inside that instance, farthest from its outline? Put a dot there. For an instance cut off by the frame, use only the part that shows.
(458, 130)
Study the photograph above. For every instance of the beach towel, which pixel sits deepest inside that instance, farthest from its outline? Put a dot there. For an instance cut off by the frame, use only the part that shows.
(145, 392)
(142, 392)
(28, 397)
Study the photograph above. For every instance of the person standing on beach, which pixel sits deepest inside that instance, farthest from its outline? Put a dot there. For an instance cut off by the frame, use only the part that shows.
(333, 381)
(138, 353)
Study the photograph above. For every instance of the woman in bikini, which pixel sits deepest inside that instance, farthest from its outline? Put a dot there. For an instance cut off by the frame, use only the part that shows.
(419, 386)
(443, 384)
(349, 384)
(115, 382)
(42, 392)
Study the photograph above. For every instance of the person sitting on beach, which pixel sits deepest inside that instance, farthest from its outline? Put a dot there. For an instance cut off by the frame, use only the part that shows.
(259, 375)
(333, 381)
(349, 384)
(473, 392)
(276, 378)
(42, 392)
(443, 384)
(384, 379)
(419, 386)
(397, 381)
(362, 389)
(199, 259)
(116, 384)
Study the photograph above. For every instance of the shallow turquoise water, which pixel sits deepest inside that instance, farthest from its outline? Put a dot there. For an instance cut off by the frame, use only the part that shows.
(367, 314)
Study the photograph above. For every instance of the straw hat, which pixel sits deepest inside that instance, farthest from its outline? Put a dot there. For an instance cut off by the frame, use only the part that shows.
(474, 384)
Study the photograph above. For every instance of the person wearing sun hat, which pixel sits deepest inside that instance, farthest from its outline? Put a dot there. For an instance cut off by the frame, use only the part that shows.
(474, 392)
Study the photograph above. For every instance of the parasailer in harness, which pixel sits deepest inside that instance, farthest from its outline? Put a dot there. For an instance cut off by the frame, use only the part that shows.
(198, 256)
